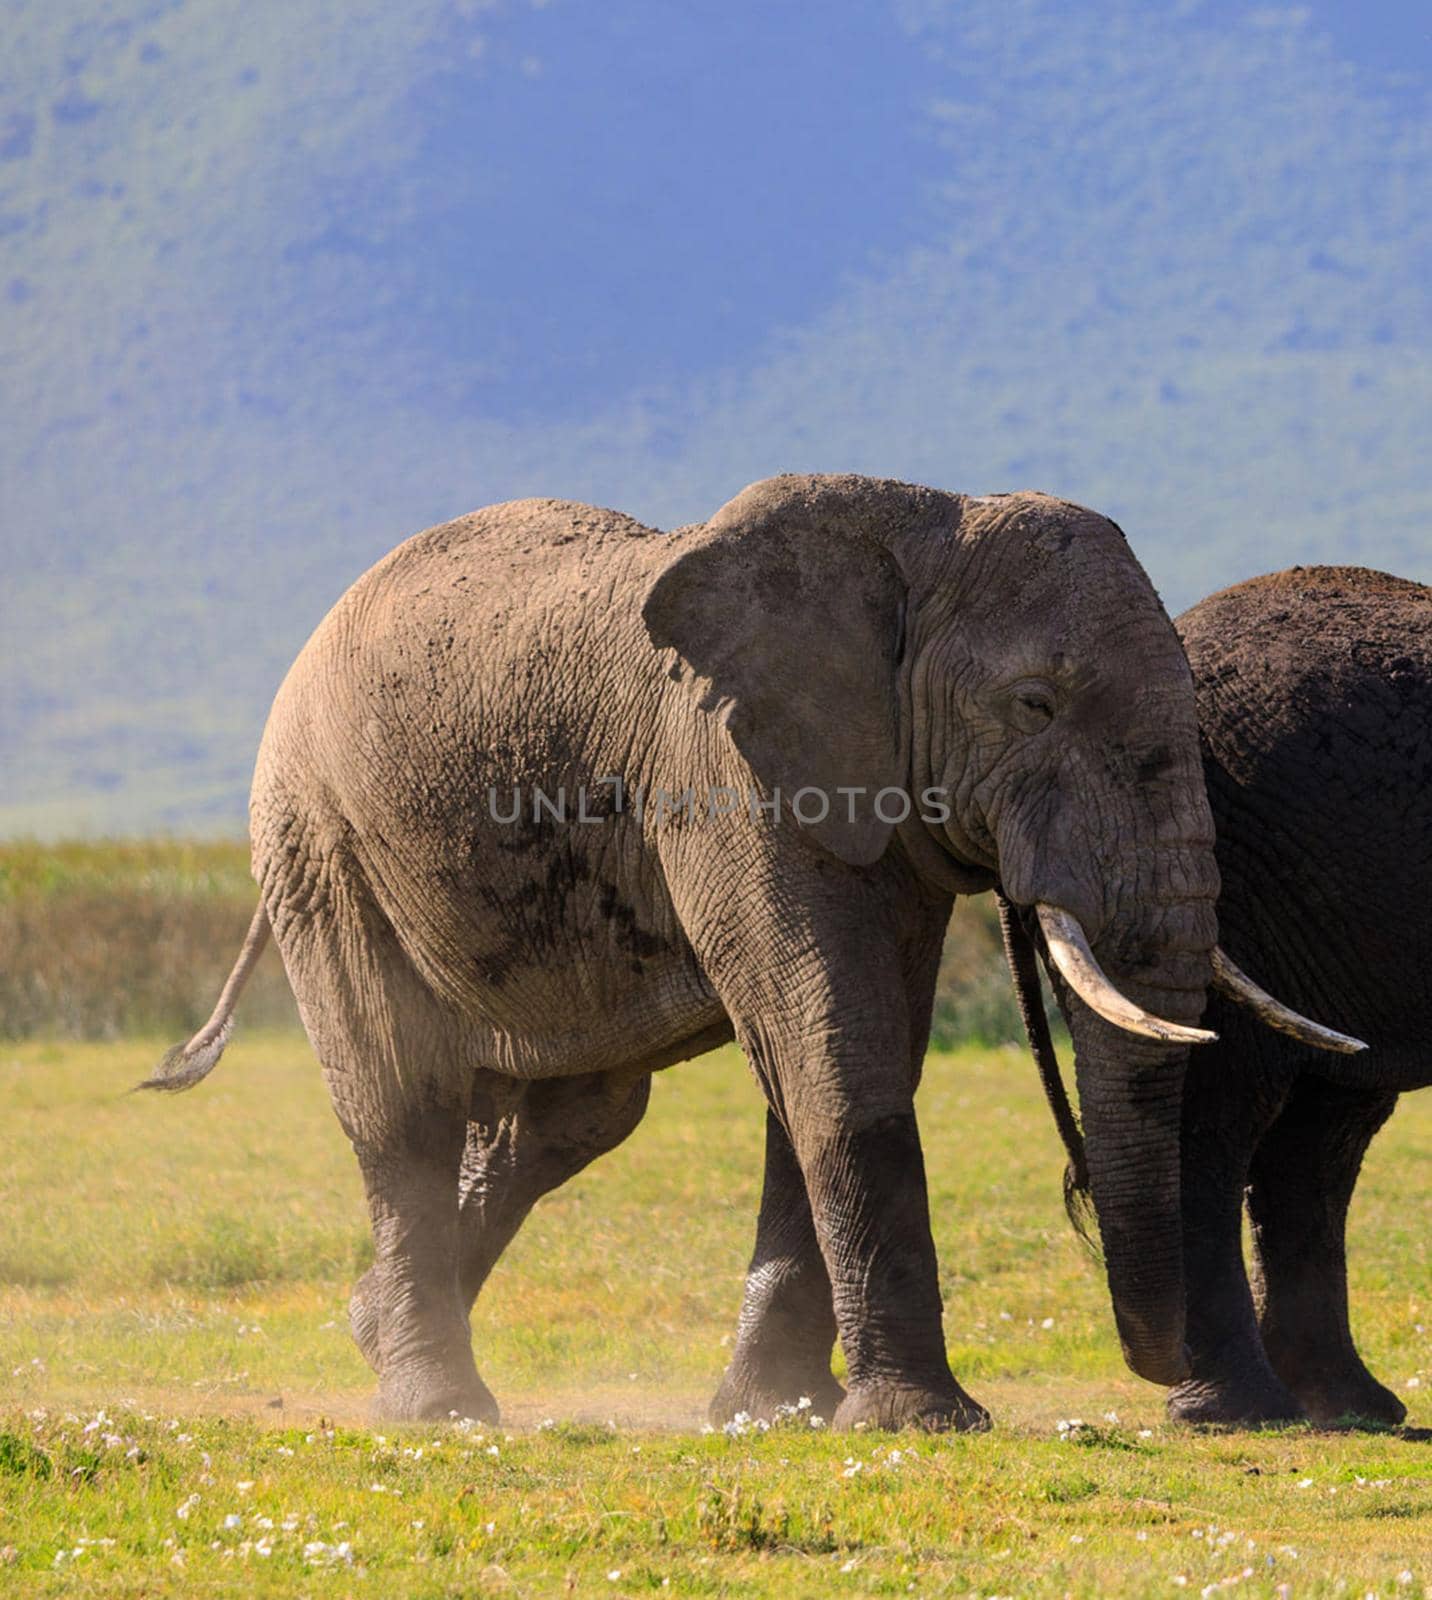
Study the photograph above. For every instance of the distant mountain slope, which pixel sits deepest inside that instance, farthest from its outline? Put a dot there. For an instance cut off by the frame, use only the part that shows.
(1174, 263)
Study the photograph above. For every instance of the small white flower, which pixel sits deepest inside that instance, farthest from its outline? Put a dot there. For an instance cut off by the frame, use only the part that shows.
(614, 1574)
(184, 1507)
(233, 1520)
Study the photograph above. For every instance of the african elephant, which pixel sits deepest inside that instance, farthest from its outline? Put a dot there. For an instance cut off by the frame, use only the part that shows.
(551, 801)
(1315, 699)
(1314, 691)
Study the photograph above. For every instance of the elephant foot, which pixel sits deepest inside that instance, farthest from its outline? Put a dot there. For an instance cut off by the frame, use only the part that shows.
(891, 1406)
(1234, 1403)
(363, 1317)
(761, 1393)
(1350, 1398)
(421, 1394)
(437, 1387)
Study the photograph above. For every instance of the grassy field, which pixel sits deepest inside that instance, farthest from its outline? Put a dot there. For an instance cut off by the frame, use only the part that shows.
(184, 1413)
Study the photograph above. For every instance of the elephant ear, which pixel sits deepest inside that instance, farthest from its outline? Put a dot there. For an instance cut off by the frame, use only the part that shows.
(788, 618)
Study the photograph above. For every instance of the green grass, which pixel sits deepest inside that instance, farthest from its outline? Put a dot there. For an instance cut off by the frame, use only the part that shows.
(181, 1266)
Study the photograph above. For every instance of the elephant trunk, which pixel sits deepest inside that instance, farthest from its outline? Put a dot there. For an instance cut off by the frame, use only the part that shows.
(1131, 1113)
(1131, 1098)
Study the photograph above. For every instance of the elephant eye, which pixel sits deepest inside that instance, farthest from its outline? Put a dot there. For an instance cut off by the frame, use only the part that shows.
(1032, 706)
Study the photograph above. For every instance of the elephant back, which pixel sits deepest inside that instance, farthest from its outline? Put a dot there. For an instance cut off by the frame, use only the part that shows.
(1314, 695)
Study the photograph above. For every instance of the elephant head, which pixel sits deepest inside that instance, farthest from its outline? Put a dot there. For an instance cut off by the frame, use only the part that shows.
(1006, 664)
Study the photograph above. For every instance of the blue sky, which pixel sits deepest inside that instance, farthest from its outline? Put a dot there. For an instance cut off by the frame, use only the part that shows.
(281, 283)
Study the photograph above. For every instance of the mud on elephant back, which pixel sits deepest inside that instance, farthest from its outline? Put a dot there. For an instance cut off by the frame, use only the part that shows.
(500, 914)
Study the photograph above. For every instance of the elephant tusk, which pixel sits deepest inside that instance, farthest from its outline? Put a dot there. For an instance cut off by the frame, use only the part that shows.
(1237, 985)
(1069, 950)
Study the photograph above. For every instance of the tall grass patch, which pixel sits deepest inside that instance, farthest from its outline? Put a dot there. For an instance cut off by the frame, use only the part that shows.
(114, 937)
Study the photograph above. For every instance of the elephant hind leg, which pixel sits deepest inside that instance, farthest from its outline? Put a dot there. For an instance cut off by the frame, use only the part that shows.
(398, 1065)
(522, 1141)
(1303, 1175)
(424, 1349)
(514, 1156)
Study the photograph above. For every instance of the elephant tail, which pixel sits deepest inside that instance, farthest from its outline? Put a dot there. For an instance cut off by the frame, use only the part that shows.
(1019, 953)
(184, 1065)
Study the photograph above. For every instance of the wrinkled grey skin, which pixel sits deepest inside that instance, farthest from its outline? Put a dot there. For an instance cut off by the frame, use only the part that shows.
(1315, 699)
(489, 1000)
(1314, 691)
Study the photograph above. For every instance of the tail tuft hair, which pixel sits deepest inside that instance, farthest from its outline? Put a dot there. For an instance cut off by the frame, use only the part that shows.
(190, 1063)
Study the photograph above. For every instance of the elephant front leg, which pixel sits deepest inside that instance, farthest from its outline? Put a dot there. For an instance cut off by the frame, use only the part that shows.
(866, 1182)
(806, 959)
(787, 1327)
(1231, 1381)
(1304, 1173)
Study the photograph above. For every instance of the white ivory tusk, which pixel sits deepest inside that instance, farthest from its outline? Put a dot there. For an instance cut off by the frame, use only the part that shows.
(1229, 979)
(1069, 950)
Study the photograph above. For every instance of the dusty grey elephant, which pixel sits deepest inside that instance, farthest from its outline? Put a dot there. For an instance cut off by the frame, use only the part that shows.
(1314, 690)
(489, 976)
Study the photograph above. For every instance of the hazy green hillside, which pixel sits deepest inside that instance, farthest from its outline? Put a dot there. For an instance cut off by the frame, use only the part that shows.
(262, 270)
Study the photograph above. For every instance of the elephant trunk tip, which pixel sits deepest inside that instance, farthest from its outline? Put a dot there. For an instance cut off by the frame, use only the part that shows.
(1159, 1365)
(1079, 1208)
